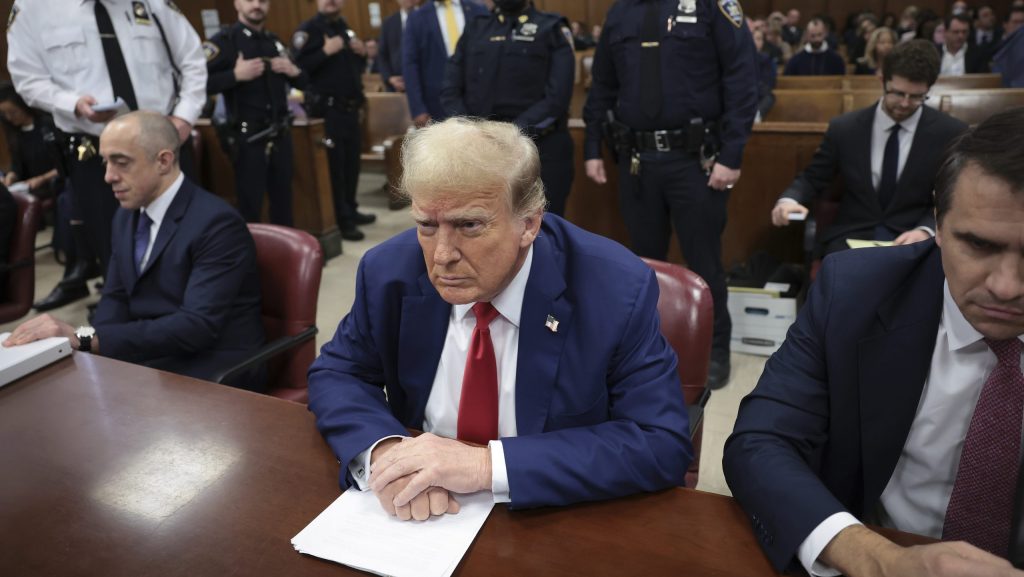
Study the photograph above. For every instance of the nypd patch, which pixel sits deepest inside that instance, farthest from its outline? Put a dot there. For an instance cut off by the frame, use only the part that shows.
(299, 39)
(210, 50)
(12, 16)
(173, 6)
(732, 10)
(568, 37)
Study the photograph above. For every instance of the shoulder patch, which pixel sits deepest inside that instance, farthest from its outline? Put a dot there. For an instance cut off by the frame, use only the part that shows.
(173, 6)
(210, 50)
(732, 10)
(299, 39)
(568, 37)
(12, 16)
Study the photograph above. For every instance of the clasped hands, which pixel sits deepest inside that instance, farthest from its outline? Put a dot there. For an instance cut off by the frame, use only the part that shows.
(415, 478)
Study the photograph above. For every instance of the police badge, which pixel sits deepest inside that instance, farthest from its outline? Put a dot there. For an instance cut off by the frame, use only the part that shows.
(140, 12)
(686, 12)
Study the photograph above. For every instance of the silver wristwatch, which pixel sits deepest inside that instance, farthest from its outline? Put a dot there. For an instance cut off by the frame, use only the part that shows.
(85, 334)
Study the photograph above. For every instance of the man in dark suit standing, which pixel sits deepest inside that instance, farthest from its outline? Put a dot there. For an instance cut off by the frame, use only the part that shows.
(430, 37)
(182, 292)
(887, 172)
(960, 57)
(897, 397)
(390, 55)
(495, 323)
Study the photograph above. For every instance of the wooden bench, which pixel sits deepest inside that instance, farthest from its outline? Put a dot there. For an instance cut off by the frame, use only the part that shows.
(810, 82)
(372, 83)
(386, 116)
(974, 106)
(806, 105)
(872, 82)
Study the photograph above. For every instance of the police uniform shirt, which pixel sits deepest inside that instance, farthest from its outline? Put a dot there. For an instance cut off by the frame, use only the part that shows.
(338, 75)
(263, 99)
(518, 67)
(55, 56)
(708, 71)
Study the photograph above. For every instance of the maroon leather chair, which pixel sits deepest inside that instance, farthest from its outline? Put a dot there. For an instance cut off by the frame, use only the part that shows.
(686, 311)
(290, 263)
(21, 264)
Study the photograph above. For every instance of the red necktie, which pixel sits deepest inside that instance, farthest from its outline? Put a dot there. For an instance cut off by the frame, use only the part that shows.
(478, 407)
(982, 501)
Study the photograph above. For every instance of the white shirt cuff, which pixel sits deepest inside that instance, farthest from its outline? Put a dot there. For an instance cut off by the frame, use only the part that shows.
(820, 537)
(499, 474)
(786, 200)
(360, 465)
(926, 229)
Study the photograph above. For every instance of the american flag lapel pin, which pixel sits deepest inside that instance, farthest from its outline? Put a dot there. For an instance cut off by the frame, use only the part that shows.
(551, 324)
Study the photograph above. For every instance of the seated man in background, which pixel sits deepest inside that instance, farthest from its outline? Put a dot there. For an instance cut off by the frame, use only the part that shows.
(494, 323)
(816, 58)
(183, 291)
(897, 396)
(887, 155)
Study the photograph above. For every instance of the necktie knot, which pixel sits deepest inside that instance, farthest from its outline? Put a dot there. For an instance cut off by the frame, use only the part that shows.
(485, 313)
(895, 128)
(1007, 351)
(144, 222)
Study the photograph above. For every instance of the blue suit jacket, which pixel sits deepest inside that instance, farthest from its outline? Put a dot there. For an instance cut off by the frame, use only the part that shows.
(599, 408)
(824, 428)
(390, 52)
(424, 58)
(195, 308)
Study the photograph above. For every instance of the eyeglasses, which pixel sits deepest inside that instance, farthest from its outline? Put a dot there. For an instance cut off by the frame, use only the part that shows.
(913, 98)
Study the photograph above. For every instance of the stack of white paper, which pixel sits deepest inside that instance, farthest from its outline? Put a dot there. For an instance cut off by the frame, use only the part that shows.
(16, 362)
(355, 531)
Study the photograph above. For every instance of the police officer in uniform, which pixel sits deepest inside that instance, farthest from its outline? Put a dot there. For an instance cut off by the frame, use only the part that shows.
(674, 93)
(517, 65)
(329, 52)
(74, 59)
(251, 68)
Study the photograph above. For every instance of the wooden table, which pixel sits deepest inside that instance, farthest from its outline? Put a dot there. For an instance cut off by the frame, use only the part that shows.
(111, 469)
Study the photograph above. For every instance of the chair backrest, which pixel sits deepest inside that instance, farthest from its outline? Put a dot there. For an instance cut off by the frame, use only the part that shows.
(290, 262)
(387, 115)
(21, 280)
(687, 317)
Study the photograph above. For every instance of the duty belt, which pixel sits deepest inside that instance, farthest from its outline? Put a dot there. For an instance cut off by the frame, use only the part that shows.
(347, 105)
(79, 147)
(661, 140)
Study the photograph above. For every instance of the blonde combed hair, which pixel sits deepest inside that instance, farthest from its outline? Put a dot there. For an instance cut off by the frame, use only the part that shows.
(466, 154)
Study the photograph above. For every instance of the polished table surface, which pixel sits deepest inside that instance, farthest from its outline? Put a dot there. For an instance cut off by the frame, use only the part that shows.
(110, 469)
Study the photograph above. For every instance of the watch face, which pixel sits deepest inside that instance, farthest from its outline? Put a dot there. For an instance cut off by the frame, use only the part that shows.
(85, 332)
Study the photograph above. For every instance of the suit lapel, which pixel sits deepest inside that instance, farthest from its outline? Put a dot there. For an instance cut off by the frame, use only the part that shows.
(862, 143)
(169, 225)
(421, 336)
(540, 348)
(894, 363)
(435, 27)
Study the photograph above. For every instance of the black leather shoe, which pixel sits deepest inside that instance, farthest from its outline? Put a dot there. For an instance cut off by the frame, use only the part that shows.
(718, 372)
(364, 218)
(61, 295)
(350, 232)
(80, 272)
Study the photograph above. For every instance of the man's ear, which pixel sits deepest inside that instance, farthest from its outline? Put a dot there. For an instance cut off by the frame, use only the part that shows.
(165, 160)
(531, 229)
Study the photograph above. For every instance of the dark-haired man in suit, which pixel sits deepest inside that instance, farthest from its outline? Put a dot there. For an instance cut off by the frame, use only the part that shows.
(431, 35)
(960, 57)
(887, 172)
(897, 397)
(182, 293)
(390, 55)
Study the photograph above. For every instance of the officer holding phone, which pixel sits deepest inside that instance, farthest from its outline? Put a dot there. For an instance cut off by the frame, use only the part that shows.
(84, 63)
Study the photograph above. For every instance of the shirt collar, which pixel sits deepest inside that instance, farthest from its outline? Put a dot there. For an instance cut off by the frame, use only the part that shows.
(958, 53)
(824, 48)
(509, 302)
(885, 122)
(158, 208)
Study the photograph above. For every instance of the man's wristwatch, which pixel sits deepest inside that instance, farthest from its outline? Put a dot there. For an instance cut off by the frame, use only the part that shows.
(85, 334)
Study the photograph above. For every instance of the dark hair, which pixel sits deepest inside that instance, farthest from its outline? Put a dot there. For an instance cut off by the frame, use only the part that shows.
(917, 61)
(8, 94)
(996, 146)
(959, 17)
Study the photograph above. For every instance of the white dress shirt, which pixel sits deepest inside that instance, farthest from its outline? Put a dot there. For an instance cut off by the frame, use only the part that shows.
(55, 56)
(917, 495)
(156, 211)
(880, 131)
(442, 19)
(953, 64)
(441, 414)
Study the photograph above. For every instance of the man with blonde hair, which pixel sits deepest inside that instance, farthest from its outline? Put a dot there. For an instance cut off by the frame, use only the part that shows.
(565, 387)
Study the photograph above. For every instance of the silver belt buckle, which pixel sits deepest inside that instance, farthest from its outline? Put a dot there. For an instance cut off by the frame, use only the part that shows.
(661, 143)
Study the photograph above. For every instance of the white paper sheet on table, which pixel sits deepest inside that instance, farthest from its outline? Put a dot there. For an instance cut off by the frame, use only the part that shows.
(355, 531)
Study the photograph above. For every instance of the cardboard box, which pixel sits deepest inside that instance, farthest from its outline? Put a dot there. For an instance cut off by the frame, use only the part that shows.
(760, 320)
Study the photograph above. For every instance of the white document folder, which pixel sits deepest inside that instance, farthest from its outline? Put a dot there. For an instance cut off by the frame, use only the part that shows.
(16, 362)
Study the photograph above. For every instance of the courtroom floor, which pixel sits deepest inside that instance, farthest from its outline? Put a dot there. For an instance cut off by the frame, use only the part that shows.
(337, 290)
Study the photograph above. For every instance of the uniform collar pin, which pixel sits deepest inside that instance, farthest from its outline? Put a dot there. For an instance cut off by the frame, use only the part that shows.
(551, 324)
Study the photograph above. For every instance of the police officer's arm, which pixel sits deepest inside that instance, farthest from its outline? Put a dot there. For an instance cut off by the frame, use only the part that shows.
(558, 88)
(221, 58)
(454, 88)
(604, 91)
(308, 49)
(26, 63)
(188, 56)
(738, 58)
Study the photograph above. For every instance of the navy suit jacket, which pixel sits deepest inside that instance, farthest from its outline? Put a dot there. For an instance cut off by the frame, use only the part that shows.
(195, 308)
(424, 58)
(824, 428)
(846, 151)
(599, 407)
(389, 57)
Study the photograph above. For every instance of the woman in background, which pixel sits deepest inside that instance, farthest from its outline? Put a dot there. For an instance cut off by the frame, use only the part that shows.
(880, 43)
(30, 142)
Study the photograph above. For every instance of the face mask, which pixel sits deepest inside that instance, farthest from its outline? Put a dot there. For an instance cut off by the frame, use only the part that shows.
(510, 6)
